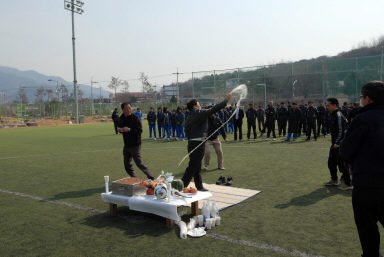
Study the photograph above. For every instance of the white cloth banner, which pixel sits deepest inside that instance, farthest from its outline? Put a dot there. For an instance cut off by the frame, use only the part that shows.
(149, 203)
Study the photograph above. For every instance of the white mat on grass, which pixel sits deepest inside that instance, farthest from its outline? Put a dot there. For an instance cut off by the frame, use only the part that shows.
(226, 196)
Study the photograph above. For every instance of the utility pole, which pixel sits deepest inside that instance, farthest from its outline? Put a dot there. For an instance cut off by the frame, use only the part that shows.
(381, 65)
(74, 8)
(92, 105)
(177, 83)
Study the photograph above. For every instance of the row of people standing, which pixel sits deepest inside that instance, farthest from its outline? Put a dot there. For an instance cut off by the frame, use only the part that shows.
(169, 124)
(296, 120)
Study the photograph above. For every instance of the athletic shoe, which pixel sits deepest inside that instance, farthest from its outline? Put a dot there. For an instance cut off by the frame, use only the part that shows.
(205, 167)
(267, 139)
(229, 181)
(202, 189)
(220, 181)
(255, 139)
(221, 168)
(331, 183)
(274, 139)
(154, 138)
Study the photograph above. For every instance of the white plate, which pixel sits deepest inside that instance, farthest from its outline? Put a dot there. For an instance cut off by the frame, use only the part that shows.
(197, 232)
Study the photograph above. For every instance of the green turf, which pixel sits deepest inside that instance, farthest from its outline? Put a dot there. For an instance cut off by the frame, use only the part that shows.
(293, 212)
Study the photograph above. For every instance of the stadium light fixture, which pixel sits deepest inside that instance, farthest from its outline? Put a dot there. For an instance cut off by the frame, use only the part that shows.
(74, 8)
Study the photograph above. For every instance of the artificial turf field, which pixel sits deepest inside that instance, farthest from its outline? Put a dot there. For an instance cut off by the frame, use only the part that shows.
(294, 215)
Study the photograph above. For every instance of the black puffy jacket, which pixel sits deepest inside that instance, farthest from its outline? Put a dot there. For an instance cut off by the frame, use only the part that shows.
(363, 147)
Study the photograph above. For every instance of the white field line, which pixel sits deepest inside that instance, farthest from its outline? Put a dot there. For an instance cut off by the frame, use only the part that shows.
(278, 249)
(58, 154)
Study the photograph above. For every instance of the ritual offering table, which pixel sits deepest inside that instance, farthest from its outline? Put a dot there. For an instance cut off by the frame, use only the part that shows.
(166, 208)
(131, 192)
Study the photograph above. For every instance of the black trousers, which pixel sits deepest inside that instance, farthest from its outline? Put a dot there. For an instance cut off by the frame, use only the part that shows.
(368, 209)
(303, 127)
(194, 166)
(238, 126)
(253, 126)
(115, 124)
(311, 127)
(320, 124)
(282, 126)
(334, 162)
(134, 152)
(270, 127)
(260, 123)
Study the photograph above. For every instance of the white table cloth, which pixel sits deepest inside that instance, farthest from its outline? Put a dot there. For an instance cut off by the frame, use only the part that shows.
(149, 203)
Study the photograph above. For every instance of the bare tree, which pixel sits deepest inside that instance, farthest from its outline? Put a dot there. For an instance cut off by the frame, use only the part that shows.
(147, 87)
(64, 93)
(114, 84)
(49, 93)
(22, 96)
(39, 94)
(125, 85)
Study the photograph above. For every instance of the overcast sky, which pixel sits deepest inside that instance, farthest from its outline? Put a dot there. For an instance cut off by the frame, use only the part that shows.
(123, 37)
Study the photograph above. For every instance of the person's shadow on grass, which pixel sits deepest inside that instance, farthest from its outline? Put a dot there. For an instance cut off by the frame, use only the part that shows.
(313, 197)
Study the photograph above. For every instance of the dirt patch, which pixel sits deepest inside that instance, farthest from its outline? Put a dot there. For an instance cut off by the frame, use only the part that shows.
(11, 122)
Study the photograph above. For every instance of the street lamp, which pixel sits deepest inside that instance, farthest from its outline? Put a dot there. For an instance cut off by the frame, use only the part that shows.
(57, 87)
(265, 93)
(74, 8)
(92, 106)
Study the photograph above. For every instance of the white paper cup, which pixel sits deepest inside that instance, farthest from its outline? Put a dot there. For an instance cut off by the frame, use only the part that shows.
(200, 219)
(208, 223)
(218, 219)
(213, 222)
(106, 179)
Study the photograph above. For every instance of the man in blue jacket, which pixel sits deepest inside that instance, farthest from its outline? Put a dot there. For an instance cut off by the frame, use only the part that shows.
(151, 117)
(362, 147)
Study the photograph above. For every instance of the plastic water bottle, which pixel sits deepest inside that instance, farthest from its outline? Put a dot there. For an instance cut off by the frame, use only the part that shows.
(205, 211)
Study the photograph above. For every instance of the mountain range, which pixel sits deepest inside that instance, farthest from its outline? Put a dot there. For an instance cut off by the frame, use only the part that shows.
(12, 79)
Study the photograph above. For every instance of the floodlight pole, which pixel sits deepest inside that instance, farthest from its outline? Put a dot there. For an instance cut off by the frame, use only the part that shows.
(177, 83)
(92, 105)
(71, 6)
(265, 93)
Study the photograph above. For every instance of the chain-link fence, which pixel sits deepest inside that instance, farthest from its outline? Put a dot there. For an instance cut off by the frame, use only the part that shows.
(304, 80)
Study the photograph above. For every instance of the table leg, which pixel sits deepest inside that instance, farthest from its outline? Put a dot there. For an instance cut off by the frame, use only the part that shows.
(169, 223)
(113, 209)
(195, 208)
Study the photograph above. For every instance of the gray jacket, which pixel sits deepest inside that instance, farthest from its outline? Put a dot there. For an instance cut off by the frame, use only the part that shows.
(196, 123)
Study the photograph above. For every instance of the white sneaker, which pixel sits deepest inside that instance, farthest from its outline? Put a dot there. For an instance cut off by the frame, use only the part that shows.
(267, 139)
(154, 138)
(205, 167)
(274, 139)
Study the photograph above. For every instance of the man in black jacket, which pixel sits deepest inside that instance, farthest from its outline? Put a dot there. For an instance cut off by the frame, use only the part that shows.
(130, 127)
(214, 123)
(282, 119)
(238, 123)
(251, 121)
(337, 126)
(196, 125)
(270, 120)
(151, 117)
(294, 116)
(303, 121)
(260, 118)
(115, 118)
(363, 149)
(311, 117)
(321, 119)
